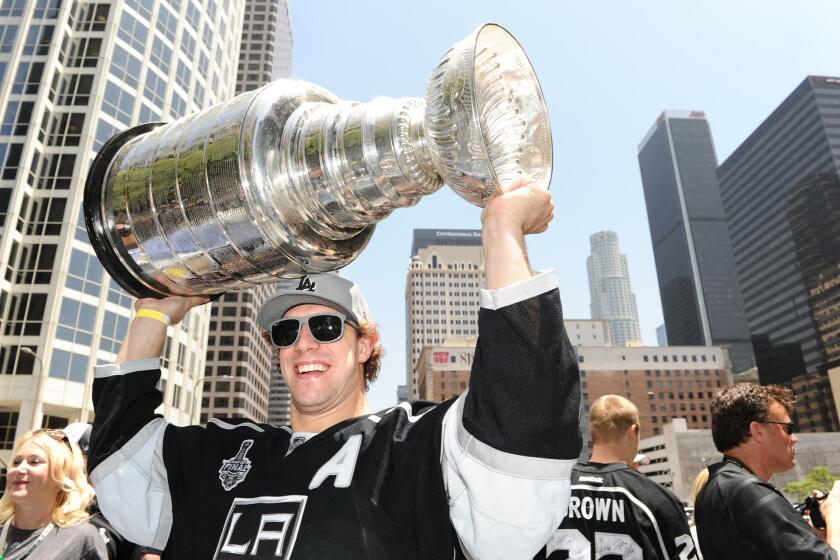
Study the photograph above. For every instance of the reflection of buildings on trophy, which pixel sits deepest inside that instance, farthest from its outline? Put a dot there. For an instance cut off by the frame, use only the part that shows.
(780, 189)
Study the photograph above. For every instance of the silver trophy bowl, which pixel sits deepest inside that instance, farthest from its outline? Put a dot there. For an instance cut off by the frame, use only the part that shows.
(288, 180)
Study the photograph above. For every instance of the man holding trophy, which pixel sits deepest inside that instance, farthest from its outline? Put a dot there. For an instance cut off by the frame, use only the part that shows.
(482, 476)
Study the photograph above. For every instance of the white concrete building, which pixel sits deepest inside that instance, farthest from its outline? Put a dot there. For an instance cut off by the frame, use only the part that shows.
(610, 295)
(71, 75)
(679, 453)
(445, 274)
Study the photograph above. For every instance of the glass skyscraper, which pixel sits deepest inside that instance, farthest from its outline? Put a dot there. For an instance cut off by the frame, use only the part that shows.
(71, 75)
(698, 286)
(781, 192)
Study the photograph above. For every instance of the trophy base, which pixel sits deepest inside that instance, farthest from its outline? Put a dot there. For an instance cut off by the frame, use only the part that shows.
(116, 261)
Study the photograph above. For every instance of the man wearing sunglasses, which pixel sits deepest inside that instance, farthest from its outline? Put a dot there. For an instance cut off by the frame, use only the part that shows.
(739, 514)
(485, 476)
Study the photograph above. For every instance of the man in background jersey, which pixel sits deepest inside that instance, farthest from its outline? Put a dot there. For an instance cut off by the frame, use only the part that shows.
(475, 477)
(614, 510)
(739, 514)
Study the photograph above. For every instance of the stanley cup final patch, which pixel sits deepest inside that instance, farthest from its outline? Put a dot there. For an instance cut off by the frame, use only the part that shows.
(235, 469)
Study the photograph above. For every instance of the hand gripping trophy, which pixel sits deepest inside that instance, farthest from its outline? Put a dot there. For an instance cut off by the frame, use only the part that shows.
(288, 180)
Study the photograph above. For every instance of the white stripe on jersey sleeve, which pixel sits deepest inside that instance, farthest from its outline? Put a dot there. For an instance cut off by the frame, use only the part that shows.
(132, 488)
(502, 506)
(109, 370)
(525, 289)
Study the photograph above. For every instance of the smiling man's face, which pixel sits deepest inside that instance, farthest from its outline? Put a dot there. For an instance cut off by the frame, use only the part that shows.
(322, 376)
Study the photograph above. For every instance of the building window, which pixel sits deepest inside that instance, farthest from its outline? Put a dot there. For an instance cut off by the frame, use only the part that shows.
(167, 23)
(114, 329)
(26, 313)
(17, 119)
(38, 39)
(36, 264)
(155, 89)
(85, 52)
(187, 43)
(143, 7)
(66, 129)
(52, 171)
(68, 365)
(133, 32)
(125, 66)
(8, 425)
(92, 17)
(118, 103)
(85, 273)
(75, 321)
(28, 77)
(160, 55)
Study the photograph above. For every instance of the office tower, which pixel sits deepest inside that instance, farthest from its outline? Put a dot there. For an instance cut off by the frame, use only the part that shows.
(780, 191)
(698, 285)
(445, 274)
(237, 377)
(71, 75)
(266, 52)
(610, 295)
(235, 347)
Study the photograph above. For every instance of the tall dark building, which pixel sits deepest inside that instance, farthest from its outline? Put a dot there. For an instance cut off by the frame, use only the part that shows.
(781, 192)
(698, 285)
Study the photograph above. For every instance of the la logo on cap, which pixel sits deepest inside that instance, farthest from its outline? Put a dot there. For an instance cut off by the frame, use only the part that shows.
(306, 284)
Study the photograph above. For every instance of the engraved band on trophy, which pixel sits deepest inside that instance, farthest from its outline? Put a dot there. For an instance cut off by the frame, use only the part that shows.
(288, 180)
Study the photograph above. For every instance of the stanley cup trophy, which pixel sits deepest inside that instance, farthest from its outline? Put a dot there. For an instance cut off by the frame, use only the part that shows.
(288, 180)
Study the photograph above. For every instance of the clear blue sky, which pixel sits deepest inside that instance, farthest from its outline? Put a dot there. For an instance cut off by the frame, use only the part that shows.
(607, 70)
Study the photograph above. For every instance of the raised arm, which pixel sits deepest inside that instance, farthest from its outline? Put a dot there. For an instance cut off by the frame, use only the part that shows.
(511, 441)
(507, 219)
(125, 458)
(147, 332)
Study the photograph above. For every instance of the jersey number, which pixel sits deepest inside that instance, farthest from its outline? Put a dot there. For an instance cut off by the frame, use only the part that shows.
(606, 544)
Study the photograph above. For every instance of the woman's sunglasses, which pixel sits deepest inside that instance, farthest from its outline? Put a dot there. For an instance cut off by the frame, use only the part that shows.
(324, 327)
(57, 435)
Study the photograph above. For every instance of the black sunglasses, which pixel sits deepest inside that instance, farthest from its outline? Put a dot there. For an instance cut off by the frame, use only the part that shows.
(789, 426)
(324, 327)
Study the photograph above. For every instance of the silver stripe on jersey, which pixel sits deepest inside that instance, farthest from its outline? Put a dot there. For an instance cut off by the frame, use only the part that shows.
(134, 479)
(375, 418)
(225, 426)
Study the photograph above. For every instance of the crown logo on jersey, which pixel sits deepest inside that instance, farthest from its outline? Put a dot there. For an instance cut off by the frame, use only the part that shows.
(235, 469)
(306, 284)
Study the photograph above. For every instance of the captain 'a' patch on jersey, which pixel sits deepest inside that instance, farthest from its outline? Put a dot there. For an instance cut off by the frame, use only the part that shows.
(608, 521)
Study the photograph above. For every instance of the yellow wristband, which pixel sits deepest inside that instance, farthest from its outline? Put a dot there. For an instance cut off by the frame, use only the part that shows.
(156, 315)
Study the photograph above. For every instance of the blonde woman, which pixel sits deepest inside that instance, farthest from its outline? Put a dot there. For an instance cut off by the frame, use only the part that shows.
(44, 510)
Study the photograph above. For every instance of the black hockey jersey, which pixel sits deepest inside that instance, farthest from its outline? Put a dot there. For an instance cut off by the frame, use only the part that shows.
(616, 512)
(483, 474)
(741, 517)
